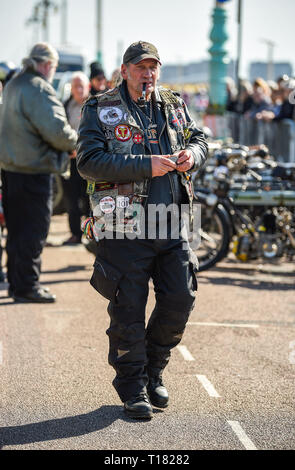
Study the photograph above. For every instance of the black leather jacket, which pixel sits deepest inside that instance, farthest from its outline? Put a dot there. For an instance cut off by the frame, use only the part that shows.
(101, 157)
(95, 162)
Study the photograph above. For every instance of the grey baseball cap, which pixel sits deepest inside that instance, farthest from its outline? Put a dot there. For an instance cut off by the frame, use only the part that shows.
(139, 51)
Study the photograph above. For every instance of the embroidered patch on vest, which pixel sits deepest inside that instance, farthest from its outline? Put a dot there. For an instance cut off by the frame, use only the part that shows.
(108, 133)
(187, 133)
(168, 97)
(90, 187)
(107, 205)
(175, 121)
(152, 135)
(123, 133)
(137, 138)
(109, 103)
(111, 115)
(181, 116)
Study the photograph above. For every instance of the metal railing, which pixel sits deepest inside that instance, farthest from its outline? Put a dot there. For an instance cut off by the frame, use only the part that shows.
(278, 136)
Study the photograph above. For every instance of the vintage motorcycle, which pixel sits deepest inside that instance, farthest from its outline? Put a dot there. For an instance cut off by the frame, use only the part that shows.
(247, 206)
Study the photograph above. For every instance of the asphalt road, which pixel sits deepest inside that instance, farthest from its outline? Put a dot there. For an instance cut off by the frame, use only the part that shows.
(231, 383)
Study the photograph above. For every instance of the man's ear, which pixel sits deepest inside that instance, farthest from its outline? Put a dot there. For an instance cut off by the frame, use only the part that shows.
(48, 65)
(124, 71)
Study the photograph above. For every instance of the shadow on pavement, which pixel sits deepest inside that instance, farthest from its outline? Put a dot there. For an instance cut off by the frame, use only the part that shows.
(255, 284)
(4, 287)
(61, 428)
(68, 269)
(253, 270)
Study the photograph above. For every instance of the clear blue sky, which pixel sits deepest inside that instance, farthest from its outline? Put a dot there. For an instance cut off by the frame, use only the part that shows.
(179, 28)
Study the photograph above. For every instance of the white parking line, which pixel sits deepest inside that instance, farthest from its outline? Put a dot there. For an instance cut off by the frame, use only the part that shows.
(185, 353)
(245, 440)
(1, 353)
(208, 386)
(231, 325)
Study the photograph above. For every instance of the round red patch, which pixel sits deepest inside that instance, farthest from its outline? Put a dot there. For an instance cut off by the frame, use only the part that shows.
(137, 138)
(122, 132)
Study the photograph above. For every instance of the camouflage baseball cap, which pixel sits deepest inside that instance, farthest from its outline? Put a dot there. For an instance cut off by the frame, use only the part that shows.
(139, 51)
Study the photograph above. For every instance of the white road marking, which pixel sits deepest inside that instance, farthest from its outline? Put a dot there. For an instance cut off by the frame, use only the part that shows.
(208, 386)
(185, 353)
(1, 353)
(245, 440)
(232, 325)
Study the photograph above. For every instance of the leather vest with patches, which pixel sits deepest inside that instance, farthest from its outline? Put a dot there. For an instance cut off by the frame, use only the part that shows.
(119, 206)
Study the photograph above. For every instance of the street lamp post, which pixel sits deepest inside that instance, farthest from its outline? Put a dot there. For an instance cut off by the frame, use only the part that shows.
(99, 30)
(64, 21)
(239, 48)
(41, 16)
(34, 21)
(270, 54)
(47, 5)
(239, 54)
(219, 60)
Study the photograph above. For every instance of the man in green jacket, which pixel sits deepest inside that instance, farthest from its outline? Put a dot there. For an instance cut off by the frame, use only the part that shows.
(35, 138)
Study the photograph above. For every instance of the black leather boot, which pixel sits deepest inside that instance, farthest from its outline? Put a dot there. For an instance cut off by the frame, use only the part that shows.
(139, 407)
(157, 392)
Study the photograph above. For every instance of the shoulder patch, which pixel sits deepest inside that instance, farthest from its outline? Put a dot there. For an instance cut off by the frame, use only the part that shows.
(109, 103)
(168, 96)
(112, 92)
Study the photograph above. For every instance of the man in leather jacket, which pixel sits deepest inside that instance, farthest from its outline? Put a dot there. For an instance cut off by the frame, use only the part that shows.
(137, 146)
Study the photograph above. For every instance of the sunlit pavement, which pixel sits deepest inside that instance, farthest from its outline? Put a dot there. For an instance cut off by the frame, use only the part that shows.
(231, 383)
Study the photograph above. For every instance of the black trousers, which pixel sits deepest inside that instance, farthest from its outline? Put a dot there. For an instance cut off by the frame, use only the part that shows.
(27, 202)
(123, 269)
(1, 249)
(77, 201)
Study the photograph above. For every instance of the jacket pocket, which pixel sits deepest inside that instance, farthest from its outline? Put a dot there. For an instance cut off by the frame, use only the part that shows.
(105, 279)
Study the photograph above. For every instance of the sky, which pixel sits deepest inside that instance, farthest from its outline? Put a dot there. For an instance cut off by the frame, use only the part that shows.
(179, 28)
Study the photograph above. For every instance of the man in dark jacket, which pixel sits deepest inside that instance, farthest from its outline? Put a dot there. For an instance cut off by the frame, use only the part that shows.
(98, 79)
(137, 145)
(287, 109)
(35, 137)
(74, 186)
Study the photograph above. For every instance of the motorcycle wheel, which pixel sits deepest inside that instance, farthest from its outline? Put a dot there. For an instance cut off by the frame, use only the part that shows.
(214, 235)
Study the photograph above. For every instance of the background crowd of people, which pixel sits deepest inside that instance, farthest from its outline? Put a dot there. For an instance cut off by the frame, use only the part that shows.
(265, 100)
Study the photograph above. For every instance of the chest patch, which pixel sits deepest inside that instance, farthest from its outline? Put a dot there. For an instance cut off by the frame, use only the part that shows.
(107, 205)
(123, 133)
(111, 115)
(137, 138)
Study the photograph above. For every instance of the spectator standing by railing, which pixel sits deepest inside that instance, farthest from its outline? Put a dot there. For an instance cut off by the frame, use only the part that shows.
(261, 99)
(232, 95)
(286, 110)
(245, 97)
